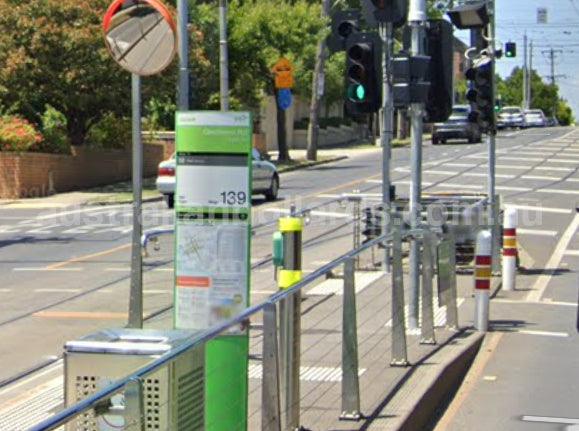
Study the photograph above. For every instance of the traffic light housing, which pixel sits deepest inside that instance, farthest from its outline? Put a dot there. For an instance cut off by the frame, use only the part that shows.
(363, 74)
(394, 11)
(510, 50)
(344, 24)
(372, 224)
(480, 93)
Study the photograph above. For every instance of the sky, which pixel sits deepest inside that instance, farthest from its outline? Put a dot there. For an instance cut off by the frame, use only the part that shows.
(515, 17)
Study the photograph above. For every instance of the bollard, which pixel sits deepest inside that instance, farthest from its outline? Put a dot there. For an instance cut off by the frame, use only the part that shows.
(510, 249)
(290, 327)
(482, 280)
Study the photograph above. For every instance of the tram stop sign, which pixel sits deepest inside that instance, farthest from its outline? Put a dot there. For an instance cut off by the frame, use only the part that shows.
(140, 35)
(284, 73)
(284, 98)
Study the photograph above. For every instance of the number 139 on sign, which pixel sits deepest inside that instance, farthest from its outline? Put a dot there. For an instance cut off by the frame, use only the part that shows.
(231, 197)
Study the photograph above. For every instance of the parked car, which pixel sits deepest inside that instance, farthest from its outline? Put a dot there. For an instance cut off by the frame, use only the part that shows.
(457, 127)
(535, 118)
(265, 178)
(511, 116)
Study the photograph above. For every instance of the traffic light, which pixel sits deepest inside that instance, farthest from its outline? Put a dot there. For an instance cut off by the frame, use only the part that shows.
(510, 50)
(363, 74)
(344, 24)
(498, 105)
(480, 93)
(394, 11)
(410, 75)
(372, 225)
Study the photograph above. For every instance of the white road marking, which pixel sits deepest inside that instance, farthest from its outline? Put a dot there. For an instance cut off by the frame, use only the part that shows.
(56, 290)
(377, 181)
(5, 290)
(484, 175)
(550, 420)
(308, 374)
(545, 301)
(157, 292)
(163, 270)
(48, 269)
(572, 180)
(119, 269)
(516, 159)
(543, 333)
(424, 183)
(539, 177)
(554, 160)
(461, 165)
(459, 186)
(553, 168)
(335, 286)
(539, 208)
(313, 213)
(571, 253)
(538, 232)
(81, 211)
(542, 282)
(558, 191)
(513, 189)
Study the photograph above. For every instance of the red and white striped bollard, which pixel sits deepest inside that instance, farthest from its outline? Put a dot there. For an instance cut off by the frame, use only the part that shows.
(510, 249)
(482, 280)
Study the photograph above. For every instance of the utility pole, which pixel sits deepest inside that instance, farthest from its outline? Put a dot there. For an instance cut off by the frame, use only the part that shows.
(317, 92)
(530, 76)
(552, 53)
(525, 74)
(223, 57)
(417, 20)
(183, 44)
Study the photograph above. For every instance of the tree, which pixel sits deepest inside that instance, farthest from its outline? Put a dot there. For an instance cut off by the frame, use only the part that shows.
(52, 53)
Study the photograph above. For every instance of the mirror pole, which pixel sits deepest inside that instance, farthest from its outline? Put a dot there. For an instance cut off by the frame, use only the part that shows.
(136, 294)
(183, 44)
(223, 57)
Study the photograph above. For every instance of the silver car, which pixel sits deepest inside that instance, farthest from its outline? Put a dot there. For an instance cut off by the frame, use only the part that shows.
(535, 118)
(265, 178)
(511, 116)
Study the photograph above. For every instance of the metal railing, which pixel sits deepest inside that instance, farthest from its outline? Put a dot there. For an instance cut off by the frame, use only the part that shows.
(273, 389)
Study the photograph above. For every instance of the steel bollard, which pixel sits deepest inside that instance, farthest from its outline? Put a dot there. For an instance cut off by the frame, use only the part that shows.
(427, 323)
(482, 280)
(510, 249)
(399, 350)
(290, 326)
(350, 382)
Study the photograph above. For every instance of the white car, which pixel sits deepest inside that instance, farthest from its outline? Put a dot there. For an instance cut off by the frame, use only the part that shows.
(265, 178)
(535, 118)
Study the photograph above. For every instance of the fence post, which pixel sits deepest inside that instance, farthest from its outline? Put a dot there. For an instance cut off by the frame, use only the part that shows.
(270, 413)
(496, 245)
(399, 353)
(134, 406)
(350, 383)
(451, 307)
(482, 277)
(290, 325)
(427, 326)
(510, 249)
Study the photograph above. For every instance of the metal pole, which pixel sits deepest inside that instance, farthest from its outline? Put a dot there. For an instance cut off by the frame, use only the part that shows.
(270, 413)
(427, 326)
(350, 383)
(530, 76)
(136, 294)
(386, 125)
(491, 142)
(399, 350)
(416, 17)
(183, 43)
(223, 57)
(525, 73)
(451, 306)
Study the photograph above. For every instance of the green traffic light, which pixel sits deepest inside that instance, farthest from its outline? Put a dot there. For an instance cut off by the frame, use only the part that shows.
(360, 92)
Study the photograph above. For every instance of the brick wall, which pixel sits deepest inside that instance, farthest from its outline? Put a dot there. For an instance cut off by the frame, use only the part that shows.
(38, 174)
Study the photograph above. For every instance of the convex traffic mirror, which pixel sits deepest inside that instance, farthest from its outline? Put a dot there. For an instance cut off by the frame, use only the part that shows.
(140, 35)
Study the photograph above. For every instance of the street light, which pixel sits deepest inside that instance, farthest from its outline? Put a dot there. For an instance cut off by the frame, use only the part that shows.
(473, 15)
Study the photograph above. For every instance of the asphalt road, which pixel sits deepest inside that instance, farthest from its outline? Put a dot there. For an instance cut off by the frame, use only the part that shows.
(66, 270)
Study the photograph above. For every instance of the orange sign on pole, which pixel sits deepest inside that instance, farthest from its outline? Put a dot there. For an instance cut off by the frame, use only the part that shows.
(284, 73)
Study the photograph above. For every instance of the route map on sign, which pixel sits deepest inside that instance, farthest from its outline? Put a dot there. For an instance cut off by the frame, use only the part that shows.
(213, 204)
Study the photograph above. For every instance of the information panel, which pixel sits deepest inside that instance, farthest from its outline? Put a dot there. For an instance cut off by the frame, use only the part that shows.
(213, 204)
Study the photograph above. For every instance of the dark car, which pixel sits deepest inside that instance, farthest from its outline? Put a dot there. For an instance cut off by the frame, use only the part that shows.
(457, 127)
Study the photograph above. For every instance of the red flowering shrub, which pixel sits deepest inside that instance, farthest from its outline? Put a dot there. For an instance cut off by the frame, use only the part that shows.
(17, 134)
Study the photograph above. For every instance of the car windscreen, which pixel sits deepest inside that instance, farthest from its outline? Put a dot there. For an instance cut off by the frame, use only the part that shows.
(511, 111)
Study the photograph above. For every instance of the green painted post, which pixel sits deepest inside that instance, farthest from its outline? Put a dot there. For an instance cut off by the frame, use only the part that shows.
(212, 250)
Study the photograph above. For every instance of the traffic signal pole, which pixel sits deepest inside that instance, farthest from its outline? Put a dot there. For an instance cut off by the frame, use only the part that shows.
(417, 19)
(386, 132)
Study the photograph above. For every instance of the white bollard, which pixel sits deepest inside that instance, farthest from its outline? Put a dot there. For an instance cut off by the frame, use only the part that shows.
(482, 280)
(510, 249)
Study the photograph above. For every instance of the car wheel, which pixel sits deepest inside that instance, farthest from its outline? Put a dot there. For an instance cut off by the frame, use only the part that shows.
(170, 200)
(271, 193)
(435, 141)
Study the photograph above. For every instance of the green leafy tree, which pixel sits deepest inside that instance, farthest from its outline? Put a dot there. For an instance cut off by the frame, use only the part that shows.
(52, 53)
